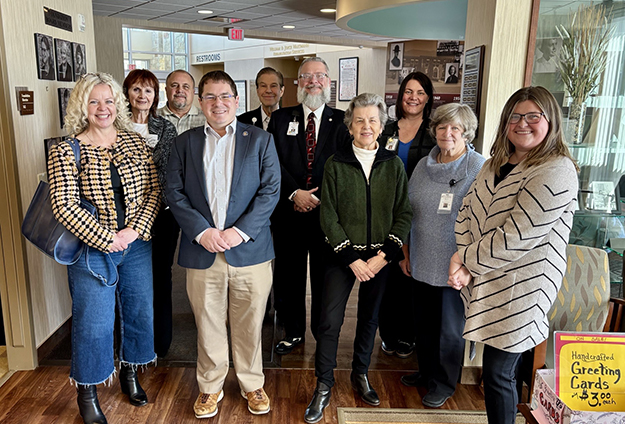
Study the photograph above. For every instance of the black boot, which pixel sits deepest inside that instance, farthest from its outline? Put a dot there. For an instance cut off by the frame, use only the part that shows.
(360, 383)
(321, 399)
(129, 383)
(89, 406)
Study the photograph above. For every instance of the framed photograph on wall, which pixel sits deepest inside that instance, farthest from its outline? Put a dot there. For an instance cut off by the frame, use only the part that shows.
(80, 60)
(470, 94)
(63, 99)
(242, 92)
(348, 78)
(45, 56)
(396, 57)
(64, 60)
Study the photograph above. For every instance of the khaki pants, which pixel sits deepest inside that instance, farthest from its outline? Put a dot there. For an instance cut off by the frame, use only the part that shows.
(238, 295)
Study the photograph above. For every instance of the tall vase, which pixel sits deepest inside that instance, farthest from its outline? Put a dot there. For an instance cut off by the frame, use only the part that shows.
(575, 124)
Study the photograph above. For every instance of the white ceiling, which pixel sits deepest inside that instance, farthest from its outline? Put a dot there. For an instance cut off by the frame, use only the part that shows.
(263, 15)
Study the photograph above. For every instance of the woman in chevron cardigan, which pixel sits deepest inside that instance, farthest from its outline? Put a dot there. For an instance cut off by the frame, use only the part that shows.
(512, 231)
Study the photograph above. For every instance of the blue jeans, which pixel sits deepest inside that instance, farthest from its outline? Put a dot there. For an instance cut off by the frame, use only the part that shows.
(97, 282)
(500, 384)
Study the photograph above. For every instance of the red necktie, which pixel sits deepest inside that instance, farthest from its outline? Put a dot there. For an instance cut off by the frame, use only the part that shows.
(311, 143)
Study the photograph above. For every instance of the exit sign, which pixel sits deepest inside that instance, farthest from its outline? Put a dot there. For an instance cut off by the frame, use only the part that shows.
(235, 34)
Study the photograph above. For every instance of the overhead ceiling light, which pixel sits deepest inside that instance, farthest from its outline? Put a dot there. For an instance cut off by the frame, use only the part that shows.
(205, 12)
(288, 26)
(328, 10)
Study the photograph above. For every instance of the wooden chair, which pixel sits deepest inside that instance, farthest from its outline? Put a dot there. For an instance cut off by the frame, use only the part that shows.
(615, 316)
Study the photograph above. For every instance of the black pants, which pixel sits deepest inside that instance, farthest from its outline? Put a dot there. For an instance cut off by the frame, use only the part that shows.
(440, 345)
(293, 242)
(501, 396)
(165, 237)
(338, 284)
(397, 320)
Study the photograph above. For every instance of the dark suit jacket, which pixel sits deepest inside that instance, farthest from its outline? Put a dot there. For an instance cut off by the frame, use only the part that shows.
(246, 118)
(253, 197)
(333, 134)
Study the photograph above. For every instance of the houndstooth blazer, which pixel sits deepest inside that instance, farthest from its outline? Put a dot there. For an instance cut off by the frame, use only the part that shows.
(512, 238)
(142, 194)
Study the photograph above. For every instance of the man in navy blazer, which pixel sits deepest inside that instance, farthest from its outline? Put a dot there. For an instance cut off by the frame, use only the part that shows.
(223, 183)
(270, 89)
(295, 223)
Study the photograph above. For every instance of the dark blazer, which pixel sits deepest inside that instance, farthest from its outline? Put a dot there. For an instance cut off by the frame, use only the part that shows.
(253, 197)
(247, 117)
(333, 134)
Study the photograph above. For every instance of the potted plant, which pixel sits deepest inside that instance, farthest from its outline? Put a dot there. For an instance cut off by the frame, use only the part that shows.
(582, 60)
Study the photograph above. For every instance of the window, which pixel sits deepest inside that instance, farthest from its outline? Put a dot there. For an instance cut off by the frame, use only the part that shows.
(159, 51)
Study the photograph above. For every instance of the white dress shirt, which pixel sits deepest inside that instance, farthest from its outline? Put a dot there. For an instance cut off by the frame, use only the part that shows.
(218, 161)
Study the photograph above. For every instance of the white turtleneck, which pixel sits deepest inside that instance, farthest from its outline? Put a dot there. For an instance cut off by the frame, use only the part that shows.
(366, 158)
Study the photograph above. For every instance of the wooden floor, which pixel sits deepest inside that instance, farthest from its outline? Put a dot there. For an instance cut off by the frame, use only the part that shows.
(45, 396)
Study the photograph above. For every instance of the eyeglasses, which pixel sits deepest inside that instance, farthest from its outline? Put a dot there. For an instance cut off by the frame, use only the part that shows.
(223, 97)
(530, 118)
(320, 76)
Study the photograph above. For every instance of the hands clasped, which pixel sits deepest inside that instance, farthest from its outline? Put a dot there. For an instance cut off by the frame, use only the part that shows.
(305, 200)
(122, 239)
(459, 275)
(365, 271)
(215, 240)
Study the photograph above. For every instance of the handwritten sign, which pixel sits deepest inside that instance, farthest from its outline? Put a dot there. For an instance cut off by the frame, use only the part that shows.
(589, 368)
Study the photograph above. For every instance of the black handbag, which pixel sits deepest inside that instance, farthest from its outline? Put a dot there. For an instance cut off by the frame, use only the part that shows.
(45, 232)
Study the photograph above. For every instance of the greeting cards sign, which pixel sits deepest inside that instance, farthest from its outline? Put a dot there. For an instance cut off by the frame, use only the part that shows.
(589, 370)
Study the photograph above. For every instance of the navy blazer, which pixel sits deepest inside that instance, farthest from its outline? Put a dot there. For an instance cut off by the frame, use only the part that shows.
(248, 118)
(333, 135)
(254, 194)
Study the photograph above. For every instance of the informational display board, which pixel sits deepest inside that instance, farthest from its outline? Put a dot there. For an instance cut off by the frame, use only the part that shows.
(589, 370)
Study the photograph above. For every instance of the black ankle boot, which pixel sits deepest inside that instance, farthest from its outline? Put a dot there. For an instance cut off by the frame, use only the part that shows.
(321, 399)
(129, 383)
(89, 406)
(360, 383)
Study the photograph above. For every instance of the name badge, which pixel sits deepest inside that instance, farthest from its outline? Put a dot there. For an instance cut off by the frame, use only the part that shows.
(444, 206)
(293, 128)
(391, 143)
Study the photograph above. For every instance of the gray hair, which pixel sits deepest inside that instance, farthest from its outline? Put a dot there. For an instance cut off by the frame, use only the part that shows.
(313, 59)
(455, 113)
(364, 100)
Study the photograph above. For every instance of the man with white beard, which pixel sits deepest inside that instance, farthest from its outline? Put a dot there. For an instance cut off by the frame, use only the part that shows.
(306, 136)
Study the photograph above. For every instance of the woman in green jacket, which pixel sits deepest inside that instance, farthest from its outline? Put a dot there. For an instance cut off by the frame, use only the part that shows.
(365, 215)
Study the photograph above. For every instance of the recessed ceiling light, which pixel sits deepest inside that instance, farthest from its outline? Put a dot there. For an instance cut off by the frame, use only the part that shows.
(205, 12)
(288, 26)
(328, 10)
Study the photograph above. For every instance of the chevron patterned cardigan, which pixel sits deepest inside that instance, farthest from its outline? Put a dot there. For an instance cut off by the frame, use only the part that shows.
(512, 238)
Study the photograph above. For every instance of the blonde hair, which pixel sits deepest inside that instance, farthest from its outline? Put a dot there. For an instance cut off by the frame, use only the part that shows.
(553, 145)
(76, 118)
(455, 113)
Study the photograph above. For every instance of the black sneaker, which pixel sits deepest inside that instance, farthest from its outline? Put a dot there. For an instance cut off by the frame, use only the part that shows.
(404, 349)
(286, 346)
(387, 349)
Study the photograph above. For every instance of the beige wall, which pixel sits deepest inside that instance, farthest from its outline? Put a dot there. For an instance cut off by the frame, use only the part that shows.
(371, 73)
(49, 292)
(503, 27)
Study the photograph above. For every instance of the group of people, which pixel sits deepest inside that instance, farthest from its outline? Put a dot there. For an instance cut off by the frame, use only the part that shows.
(445, 245)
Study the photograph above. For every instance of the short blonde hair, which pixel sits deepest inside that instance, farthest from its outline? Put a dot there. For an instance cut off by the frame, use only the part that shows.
(553, 145)
(457, 114)
(76, 118)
